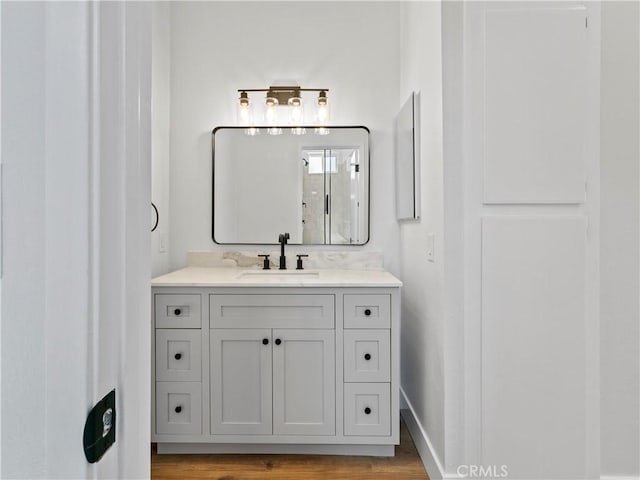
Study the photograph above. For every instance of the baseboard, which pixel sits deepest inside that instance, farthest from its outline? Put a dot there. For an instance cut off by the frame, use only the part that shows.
(428, 455)
(266, 448)
(614, 477)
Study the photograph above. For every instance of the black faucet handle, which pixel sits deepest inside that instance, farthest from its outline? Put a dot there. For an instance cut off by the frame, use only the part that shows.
(299, 263)
(265, 265)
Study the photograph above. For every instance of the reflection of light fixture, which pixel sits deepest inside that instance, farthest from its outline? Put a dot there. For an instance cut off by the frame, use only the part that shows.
(298, 131)
(289, 96)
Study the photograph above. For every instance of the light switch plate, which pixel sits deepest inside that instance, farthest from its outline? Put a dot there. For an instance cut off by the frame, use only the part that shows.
(430, 247)
(163, 242)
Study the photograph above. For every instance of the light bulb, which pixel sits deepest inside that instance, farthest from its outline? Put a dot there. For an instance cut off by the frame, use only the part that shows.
(271, 111)
(274, 131)
(323, 113)
(298, 131)
(295, 109)
(323, 108)
(245, 115)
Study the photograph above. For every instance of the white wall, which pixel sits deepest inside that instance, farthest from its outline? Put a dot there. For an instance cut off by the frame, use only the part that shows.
(619, 329)
(423, 317)
(1, 235)
(160, 133)
(218, 47)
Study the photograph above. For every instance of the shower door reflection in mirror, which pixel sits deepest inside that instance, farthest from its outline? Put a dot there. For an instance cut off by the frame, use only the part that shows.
(331, 193)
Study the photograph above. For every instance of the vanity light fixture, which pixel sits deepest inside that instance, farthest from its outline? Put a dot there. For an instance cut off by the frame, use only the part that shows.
(289, 96)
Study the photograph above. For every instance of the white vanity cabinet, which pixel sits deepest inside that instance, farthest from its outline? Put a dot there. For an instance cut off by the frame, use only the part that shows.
(275, 369)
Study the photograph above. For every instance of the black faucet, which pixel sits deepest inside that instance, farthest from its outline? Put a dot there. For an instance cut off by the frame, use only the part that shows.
(282, 238)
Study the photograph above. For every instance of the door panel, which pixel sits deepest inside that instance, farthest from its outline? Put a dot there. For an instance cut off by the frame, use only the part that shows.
(304, 382)
(241, 381)
(534, 343)
(535, 105)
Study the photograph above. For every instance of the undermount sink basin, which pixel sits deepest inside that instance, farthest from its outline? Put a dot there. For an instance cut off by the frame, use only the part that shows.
(278, 274)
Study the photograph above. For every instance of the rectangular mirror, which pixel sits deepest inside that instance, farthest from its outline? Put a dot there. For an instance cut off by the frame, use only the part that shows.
(313, 185)
(407, 157)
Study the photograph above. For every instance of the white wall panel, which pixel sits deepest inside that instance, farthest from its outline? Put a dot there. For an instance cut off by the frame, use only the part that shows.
(533, 345)
(620, 240)
(535, 96)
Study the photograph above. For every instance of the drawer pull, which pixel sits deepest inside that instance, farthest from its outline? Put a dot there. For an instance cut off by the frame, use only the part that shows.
(265, 341)
(367, 356)
(278, 341)
(177, 312)
(367, 411)
(178, 409)
(177, 356)
(367, 312)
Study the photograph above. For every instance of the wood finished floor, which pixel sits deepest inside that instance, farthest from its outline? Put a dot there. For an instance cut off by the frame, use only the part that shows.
(405, 465)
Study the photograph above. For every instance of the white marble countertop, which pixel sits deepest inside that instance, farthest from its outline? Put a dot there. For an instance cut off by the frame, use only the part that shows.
(243, 277)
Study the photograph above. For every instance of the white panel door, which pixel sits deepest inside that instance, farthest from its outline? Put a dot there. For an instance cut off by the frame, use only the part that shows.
(304, 382)
(535, 95)
(533, 345)
(241, 381)
(76, 166)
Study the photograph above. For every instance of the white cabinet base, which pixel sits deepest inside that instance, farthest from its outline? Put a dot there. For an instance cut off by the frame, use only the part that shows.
(276, 370)
(248, 448)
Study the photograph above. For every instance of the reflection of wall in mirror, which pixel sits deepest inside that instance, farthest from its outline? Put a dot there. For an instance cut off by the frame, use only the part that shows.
(259, 188)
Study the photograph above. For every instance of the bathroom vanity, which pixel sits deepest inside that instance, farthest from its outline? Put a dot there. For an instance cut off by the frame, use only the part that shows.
(269, 361)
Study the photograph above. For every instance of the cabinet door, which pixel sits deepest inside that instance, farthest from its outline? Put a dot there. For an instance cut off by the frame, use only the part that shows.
(304, 382)
(241, 381)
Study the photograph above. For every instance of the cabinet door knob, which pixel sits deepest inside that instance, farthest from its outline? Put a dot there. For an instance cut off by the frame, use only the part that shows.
(177, 311)
(178, 409)
(367, 411)
(367, 356)
(367, 312)
(177, 356)
(265, 341)
(278, 341)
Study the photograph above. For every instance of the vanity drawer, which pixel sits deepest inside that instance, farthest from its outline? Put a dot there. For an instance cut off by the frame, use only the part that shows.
(367, 311)
(178, 311)
(272, 311)
(367, 356)
(367, 409)
(179, 408)
(178, 355)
